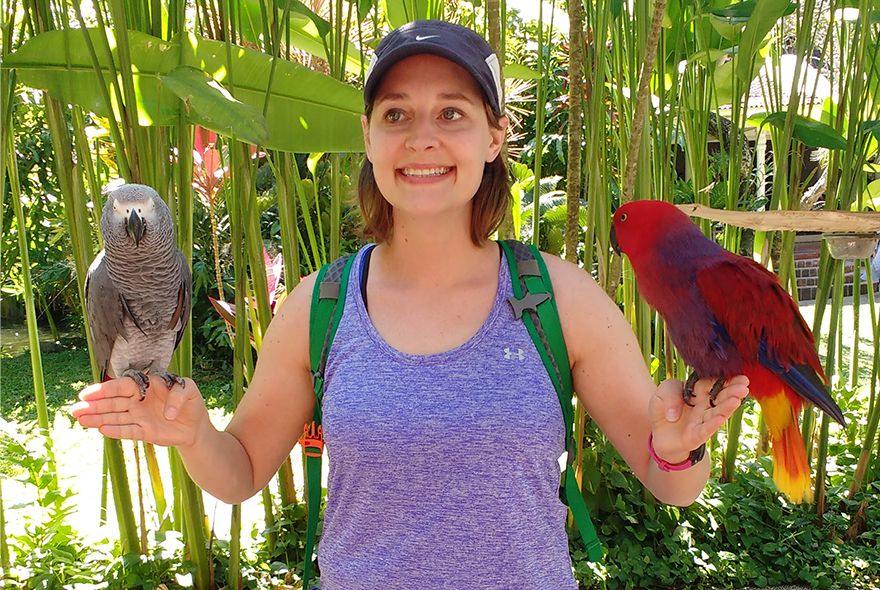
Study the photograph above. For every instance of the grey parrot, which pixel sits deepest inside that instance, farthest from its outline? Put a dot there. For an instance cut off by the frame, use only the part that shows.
(138, 289)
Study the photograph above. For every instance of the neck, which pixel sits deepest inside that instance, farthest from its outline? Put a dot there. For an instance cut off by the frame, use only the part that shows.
(433, 252)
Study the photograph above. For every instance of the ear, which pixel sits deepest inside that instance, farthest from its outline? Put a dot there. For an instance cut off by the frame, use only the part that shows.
(365, 127)
(497, 137)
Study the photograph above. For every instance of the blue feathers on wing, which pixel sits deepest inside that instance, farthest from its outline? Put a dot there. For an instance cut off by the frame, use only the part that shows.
(804, 380)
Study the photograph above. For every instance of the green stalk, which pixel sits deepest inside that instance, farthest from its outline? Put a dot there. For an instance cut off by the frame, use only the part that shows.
(873, 406)
(539, 131)
(4, 544)
(242, 364)
(597, 17)
(30, 309)
(75, 210)
(158, 489)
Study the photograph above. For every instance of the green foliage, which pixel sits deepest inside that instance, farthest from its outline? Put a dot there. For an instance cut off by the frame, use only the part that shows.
(50, 554)
(282, 558)
(51, 270)
(734, 535)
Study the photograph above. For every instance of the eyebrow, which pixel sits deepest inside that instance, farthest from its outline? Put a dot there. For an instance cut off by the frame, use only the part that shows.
(444, 96)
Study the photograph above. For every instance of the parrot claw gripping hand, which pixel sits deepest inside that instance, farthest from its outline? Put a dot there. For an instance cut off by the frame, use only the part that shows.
(138, 289)
(727, 315)
(688, 391)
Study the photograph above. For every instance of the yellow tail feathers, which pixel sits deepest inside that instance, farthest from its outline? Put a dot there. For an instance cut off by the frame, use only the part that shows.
(791, 472)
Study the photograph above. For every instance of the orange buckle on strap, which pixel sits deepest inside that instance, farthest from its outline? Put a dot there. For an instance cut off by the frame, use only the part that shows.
(312, 440)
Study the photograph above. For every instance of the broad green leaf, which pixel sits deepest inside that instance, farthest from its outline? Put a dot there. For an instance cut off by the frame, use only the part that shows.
(762, 19)
(295, 6)
(304, 35)
(870, 198)
(723, 78)
(809, 132)
(363, 8)
(708, 56)
(520, 72)
(756, 119)
(58, 61)
(208, 104)
(729, 21)
(400, 12)
(872, 127)
(871, 167)
(307, 111)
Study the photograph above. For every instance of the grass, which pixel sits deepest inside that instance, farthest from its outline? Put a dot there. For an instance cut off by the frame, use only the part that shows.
(66, 371)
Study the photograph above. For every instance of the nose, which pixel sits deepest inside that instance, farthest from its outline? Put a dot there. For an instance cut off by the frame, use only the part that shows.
(422, 135)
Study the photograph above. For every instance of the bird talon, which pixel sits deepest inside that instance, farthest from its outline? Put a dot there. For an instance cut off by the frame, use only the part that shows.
(716, 389)
(171, 380)
(688, 391)
(141, 380)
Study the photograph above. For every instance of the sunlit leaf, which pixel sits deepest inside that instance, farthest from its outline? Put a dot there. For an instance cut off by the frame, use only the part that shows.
(761, 21)
(809, 132)
(307, 111)
(207, 103)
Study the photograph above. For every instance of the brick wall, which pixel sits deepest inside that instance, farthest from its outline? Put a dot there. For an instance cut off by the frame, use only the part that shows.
(806, 266)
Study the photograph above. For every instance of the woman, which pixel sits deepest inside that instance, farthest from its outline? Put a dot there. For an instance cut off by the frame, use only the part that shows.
(443, 447)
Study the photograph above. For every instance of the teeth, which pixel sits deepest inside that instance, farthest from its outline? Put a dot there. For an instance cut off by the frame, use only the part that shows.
(425, 171)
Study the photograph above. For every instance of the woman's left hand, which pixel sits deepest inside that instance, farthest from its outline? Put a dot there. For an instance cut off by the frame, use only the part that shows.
(679, 428)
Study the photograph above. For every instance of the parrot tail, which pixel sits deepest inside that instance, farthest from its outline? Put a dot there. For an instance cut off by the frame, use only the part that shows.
(791, 471)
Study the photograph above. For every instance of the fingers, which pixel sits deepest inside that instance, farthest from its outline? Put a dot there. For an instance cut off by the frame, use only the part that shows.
(668, 403)
(175, 400)
(122, 431)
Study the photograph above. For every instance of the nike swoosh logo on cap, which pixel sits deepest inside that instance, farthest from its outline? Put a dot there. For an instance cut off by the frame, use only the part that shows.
(422, 38)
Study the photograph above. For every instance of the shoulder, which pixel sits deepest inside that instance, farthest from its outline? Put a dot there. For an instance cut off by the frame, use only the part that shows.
(289, 331)
(572, 285)
(588, 316)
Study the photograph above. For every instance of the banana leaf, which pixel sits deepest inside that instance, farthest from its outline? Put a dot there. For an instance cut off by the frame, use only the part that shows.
(307, 111)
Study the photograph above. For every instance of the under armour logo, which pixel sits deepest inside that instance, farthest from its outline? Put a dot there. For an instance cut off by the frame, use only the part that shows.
(518, 354)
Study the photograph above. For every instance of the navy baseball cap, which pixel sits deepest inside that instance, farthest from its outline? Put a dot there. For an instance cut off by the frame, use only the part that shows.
(454, 42)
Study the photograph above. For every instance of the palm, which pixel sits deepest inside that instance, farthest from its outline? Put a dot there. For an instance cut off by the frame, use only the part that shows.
(697, 423)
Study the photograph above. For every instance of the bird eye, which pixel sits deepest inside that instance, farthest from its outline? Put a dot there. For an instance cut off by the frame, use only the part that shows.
(139, 209)
(623, 216)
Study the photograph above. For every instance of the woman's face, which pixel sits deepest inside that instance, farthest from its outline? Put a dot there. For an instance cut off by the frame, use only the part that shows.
(429, 137)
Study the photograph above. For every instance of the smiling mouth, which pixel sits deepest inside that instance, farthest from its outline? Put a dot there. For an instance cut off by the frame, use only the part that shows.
(425, 172)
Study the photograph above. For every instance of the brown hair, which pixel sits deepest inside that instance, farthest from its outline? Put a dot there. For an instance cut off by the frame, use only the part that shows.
(487, 207)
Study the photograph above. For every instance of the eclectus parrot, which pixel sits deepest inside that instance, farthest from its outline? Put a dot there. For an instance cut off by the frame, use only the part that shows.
(728, 315)
(138, 289)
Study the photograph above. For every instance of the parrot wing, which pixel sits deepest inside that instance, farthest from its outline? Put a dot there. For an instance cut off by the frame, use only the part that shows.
(766, 325)
(105, 309)
(184, 299)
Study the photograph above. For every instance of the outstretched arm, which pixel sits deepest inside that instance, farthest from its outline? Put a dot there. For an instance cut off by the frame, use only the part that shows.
(612, 381)
(234, 464)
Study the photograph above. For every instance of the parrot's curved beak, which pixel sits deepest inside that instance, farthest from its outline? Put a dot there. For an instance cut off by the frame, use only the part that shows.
(614, 244)
(134, 226)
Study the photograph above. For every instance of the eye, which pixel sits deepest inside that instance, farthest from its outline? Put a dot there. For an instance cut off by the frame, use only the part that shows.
(139, 210)
(451, 115)
(393, 115)
(623, 216)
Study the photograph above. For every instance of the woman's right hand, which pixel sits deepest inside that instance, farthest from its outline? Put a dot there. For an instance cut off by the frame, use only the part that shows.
(164, 417)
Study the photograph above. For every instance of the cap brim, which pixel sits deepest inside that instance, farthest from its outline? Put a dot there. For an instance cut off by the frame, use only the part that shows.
(400, 53)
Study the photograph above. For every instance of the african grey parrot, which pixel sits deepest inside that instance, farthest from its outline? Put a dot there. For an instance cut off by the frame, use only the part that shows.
(138, 288)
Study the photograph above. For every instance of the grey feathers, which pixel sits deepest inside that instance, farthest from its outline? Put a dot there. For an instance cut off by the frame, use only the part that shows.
(139, 288)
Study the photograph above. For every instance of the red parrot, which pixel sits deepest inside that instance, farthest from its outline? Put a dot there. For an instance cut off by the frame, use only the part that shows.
(727, 315)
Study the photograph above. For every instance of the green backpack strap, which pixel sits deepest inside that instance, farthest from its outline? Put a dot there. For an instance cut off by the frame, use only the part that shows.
(328, 302)
(533, 302)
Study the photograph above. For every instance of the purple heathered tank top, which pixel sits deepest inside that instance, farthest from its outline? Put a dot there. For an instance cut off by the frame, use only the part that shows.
(444, 468)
